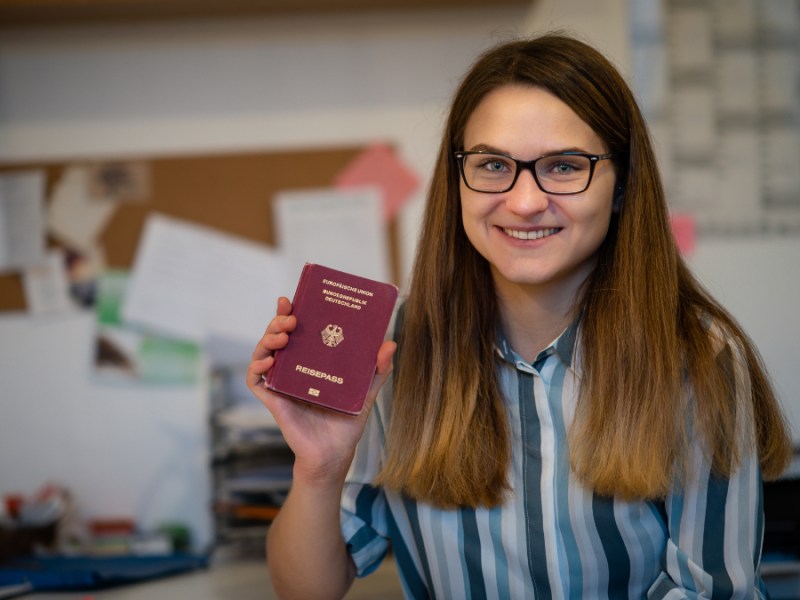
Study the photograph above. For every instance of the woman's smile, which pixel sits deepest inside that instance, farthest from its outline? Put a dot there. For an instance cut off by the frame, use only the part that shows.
(530, 234)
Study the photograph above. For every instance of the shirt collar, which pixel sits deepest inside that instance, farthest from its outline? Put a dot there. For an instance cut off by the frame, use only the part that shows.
(563, 345)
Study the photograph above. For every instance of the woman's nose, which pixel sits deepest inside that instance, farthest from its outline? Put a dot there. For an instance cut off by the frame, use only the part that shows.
(526, 198)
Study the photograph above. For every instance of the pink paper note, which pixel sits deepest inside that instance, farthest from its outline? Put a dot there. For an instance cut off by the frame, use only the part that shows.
(683, 228)
(380, 166)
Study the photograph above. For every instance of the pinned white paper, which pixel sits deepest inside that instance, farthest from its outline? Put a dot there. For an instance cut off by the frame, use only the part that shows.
(46, 285)
(195, 282)
(339, 228)
(74, 216)
(22, 227)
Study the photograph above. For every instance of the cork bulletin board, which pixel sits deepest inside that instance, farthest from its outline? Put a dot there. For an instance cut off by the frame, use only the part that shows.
(231, 192)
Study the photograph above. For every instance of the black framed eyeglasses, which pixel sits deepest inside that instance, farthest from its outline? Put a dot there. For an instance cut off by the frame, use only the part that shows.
(563, 173)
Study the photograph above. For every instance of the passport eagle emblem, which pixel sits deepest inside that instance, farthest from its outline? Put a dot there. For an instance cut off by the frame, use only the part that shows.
(332, 335)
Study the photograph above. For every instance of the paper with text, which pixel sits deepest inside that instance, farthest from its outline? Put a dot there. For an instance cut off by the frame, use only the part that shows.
(195, 282)
(339, 228)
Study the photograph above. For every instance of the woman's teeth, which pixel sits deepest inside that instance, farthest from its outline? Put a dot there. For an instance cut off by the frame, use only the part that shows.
(531, 235)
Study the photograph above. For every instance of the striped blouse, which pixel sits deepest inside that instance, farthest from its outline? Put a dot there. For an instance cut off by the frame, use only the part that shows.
(553, 538)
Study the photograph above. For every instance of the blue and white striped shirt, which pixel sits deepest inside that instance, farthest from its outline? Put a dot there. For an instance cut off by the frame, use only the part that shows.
(553, 538)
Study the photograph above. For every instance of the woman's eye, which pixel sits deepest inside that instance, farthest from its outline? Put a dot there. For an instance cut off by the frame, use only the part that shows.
(494, 166)
(562, 168)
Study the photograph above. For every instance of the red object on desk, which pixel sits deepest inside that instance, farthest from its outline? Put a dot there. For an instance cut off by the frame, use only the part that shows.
(117, 526)
(13, 504)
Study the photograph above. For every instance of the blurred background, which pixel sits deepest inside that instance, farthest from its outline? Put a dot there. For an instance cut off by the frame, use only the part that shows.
(166, 167)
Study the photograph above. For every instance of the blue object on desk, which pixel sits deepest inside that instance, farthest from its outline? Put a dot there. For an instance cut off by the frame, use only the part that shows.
(88, 572)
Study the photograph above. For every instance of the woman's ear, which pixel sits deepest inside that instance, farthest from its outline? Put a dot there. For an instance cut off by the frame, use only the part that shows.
(619, 196)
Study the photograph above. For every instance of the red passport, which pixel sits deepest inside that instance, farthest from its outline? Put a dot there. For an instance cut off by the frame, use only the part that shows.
(331, 356)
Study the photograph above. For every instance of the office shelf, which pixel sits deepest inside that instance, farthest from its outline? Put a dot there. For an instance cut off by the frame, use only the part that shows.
(251, 464)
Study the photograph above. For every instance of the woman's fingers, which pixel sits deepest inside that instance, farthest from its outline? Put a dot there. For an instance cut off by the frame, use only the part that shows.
(382, 371)
(284, 306)
(385, 354)
(257, 371)
(275, 337)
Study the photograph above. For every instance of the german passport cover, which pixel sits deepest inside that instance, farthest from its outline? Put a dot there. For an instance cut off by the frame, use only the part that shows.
(331, 356)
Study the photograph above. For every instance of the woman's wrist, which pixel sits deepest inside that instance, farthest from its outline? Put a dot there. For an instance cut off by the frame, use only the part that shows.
(328, 474)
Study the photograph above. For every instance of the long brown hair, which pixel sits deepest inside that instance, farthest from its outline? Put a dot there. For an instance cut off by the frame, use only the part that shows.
(644, 323)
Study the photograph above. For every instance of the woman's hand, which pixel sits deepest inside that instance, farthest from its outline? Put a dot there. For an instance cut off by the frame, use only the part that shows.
(323, 441)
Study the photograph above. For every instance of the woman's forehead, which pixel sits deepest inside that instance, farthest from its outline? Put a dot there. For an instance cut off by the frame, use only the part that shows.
(528, 121)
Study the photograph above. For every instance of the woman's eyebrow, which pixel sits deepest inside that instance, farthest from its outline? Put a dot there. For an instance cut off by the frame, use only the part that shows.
(495, 150)
(487, 148)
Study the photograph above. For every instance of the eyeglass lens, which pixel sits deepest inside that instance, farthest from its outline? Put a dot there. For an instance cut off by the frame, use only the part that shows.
(558, 174)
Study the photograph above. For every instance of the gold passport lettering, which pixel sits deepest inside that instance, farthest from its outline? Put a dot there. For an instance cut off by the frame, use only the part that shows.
(318, 374)
(343, 297)
(343, 303)
(349, 288)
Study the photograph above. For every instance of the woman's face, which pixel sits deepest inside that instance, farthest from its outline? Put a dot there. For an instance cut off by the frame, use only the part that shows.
(531, 238)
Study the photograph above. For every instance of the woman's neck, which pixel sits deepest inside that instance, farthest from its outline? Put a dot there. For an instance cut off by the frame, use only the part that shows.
(533, 317)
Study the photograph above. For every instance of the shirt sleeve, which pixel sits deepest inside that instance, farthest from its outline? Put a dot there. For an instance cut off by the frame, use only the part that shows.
(715, 525)
(366, 545)
(363, 517)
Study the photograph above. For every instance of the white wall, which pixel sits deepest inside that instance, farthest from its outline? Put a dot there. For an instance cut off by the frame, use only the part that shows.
(237, 85)
(758, 280)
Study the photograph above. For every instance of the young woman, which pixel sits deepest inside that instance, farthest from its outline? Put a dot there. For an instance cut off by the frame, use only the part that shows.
(570, 414)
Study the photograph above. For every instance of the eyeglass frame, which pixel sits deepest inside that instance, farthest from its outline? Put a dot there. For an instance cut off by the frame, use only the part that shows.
(529, 165)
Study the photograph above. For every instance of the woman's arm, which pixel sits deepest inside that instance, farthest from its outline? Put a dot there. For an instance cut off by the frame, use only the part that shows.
(714, 545)
(715, 524)
(306, 554)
